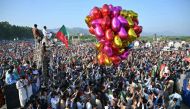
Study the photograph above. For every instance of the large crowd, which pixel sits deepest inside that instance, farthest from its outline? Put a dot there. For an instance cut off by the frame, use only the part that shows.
(148, 79)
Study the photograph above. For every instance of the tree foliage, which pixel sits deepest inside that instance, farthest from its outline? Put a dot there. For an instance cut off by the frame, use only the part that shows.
(9, 32)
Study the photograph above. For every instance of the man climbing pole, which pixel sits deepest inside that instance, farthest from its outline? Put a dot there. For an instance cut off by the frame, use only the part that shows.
(37, 36)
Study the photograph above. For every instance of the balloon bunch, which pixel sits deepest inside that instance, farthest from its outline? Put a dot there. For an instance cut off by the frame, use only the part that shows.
(115, 30)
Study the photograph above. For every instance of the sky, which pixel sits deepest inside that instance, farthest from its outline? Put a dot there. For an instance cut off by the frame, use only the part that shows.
(156, 16)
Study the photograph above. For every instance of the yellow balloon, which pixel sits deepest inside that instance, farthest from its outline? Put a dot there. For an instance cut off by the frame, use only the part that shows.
(132, 33)
(135, 15)
(130, 21)
(121, 51)
(87, 20)
(99, 56)
(107, 60)
(98, 46)
(117, 41)
(128, 13)
(126, 43)
(123, 13)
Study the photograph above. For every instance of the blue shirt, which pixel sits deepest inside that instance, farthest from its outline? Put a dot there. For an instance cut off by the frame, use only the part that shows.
(10, 79)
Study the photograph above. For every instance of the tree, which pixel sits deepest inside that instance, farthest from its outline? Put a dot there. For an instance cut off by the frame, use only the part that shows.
(9, 32)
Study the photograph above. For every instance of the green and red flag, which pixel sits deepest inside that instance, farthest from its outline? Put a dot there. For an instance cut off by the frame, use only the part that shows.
(61, 35)
(187, 59)
(162, 66)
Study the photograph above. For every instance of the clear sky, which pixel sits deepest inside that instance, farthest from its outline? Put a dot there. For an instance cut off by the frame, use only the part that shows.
(171, 16)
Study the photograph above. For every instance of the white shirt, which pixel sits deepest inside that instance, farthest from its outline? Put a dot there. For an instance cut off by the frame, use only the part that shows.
(54, 102)
(88, 105)
(79, 105)
(46, 33)
(21, 86)
(99, 104)
(178, 96)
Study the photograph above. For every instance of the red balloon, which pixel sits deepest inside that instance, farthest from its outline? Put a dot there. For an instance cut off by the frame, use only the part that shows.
(136, 21)
(109, 35)
(91, 30)
(115, 59)
(101, 60)
(140, 29)
(138, 35)
(95, 13)
(105, 10)
(106, 22)
(137, 29)
(115, 49)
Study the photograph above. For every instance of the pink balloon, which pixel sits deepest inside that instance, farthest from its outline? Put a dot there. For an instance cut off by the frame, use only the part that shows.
(99, 32)
(124, 55)
(116, 24)
(122, 33)
(96, 22)
(123, 20)
(108, 50)
(108, 43)
(103, 41)
(111, 7)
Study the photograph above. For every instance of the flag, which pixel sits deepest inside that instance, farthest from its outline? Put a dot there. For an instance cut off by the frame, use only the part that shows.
(162, 69)
(187, 59)
(61, 35)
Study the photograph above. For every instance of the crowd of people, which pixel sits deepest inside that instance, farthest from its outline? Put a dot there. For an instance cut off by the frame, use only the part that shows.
(75, 80)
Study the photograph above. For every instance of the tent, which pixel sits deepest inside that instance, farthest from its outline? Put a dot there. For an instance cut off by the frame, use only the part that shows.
(171, 43)
(136, 43)
(148, 44)
(177, 45)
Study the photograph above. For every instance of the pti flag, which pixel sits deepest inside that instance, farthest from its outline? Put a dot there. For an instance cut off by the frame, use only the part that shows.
(162, 69)
(61, 35)
(187, 59)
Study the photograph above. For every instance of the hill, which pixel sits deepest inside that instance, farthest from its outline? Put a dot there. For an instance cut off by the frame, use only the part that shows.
(73, 31)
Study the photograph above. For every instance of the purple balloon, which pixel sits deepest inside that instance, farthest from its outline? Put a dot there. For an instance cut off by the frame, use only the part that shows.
(115, 12)
(116, 24)
(124, 55)
(98, 31)
(119, 8)
(123, 20)
(96, 22)
(122, 33)
(108, 50)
